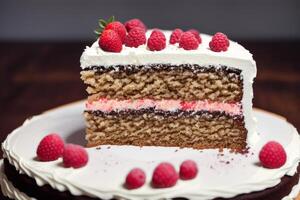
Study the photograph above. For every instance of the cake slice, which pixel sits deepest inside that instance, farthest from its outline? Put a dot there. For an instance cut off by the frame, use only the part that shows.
(172, 97)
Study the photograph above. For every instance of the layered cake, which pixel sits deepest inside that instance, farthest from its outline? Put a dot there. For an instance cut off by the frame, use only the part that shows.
(195, 98)
(168, 116)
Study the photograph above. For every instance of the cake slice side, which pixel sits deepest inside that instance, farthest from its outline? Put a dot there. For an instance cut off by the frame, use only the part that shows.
(169, 84)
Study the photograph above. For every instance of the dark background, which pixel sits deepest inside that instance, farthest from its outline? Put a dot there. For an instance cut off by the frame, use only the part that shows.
(65, 20)
(41, 43)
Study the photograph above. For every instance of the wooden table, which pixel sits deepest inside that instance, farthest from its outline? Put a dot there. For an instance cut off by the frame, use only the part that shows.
(35, 77)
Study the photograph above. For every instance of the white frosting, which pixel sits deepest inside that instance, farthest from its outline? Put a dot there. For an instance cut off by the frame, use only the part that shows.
(10, 191)
(236, 57)
(172, 54)
(113, 163)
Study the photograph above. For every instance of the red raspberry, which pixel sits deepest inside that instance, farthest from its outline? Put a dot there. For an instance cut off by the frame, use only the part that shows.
(110, 41)
(156, 41)
(272, 155)
(196, 34)
(175, 36)
(188, 170)
(188, 105)
(219, 42)
(118, 27)
(188, 41)
(135, 37)
(130, 24)
(135, 178)
(50, 148)
(75, 156)
(164, 176)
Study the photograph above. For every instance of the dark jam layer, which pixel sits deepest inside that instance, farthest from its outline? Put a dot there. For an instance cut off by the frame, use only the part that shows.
(177, 113)
(129, 69)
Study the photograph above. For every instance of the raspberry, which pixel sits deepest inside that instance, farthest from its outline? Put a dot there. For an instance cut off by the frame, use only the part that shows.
(164, 176)
(175, 36)
(187, 105)
(272, 155)
(188, 170)
(130, 24)
(110, 41)
(188, 41)
(50, 148)
(135, 37)
(118, 27)
(156, 41)
(135, 178)
(219, 42)
(196, 34)
(75, 156)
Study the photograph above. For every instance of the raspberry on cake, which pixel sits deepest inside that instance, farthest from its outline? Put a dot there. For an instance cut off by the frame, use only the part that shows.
(135, 37)
(219, 42)
(156, 41)
(130, 24)
(188, 41)
(196, 34)
(182, 97)
(175, 36)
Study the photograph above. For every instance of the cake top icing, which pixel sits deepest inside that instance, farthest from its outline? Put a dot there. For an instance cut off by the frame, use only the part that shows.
(172, 54)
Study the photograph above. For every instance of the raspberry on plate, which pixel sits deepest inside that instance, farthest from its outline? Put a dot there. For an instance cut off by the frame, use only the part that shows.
(135, 37)
(219, 42)
(156, 41)
(50, 148)
(110, 41)
(188, 170)
(188, 41)
(164, 176)
(175, 36)
(272, 155)
(135, 179)
(75, 156)
(130, 24)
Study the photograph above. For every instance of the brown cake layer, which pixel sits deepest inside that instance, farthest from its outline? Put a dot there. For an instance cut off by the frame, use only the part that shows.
(28, 185)
(149, 127)
(184, 82)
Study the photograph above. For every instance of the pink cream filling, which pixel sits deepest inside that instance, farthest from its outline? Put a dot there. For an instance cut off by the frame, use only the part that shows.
(108, 105)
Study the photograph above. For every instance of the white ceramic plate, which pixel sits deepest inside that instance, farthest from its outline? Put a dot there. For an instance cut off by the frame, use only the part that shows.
(220, 173)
